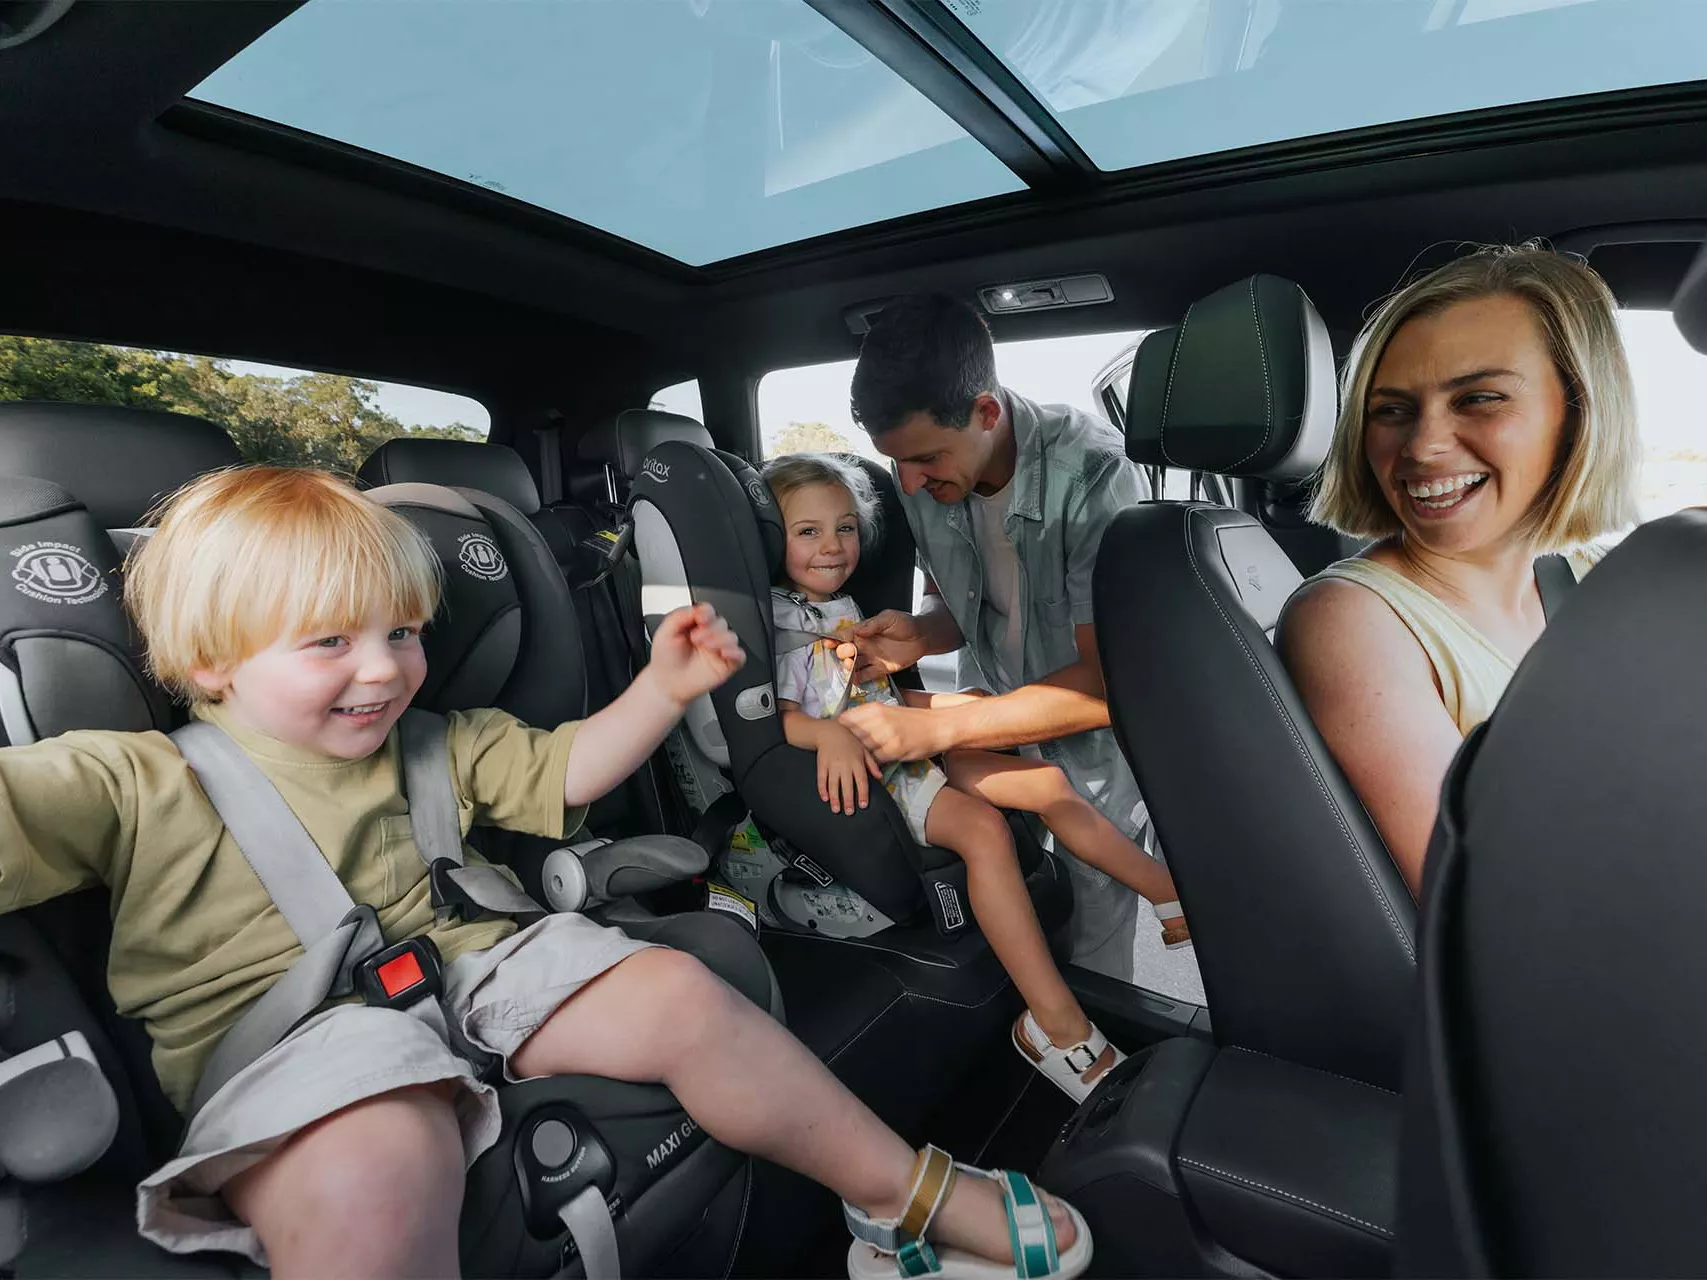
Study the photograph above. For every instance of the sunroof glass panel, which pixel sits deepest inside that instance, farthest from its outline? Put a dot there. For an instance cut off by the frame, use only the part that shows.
(1138, 82)
(703, 129)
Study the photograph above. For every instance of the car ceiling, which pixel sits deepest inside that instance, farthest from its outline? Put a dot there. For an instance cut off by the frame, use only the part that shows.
(131, 218)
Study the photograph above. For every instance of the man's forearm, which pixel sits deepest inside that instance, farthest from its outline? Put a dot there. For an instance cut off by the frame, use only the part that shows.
(1032, 713)
(614, 742)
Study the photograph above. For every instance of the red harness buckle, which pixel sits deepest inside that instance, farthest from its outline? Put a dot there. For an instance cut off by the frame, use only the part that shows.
(400, 975)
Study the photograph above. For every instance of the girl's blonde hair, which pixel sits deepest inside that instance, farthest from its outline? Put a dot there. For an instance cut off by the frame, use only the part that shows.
(796, 471)
(1592, 489)
(250, 555)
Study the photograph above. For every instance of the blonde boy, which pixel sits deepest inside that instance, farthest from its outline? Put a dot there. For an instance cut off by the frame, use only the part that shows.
(287, 609)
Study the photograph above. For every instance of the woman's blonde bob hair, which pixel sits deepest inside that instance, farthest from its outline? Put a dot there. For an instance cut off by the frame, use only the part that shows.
(245, 557)
(1592, 490)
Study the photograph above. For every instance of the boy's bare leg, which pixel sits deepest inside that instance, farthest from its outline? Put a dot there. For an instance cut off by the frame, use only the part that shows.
(373, 1190)
(661, 1016)
(1032, 786)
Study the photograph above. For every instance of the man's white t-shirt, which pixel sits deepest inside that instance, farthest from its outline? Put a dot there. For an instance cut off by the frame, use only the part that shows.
(1001, 614)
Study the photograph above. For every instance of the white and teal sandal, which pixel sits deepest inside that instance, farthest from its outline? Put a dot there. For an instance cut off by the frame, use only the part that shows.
(885, 1248)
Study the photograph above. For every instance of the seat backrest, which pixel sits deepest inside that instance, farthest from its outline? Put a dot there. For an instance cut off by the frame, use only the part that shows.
(1557, 1120)
(1303, 926)
(603, 647)
(70, 660)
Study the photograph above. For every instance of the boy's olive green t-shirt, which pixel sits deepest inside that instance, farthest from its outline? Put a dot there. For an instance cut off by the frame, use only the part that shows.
(196, 938)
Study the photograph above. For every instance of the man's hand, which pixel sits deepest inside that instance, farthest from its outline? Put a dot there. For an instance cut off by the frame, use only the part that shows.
(897, 733)
(888, 642)
(693, 651)
(844, 770)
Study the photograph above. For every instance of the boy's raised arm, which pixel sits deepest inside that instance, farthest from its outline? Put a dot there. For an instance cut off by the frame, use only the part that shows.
(693, 651)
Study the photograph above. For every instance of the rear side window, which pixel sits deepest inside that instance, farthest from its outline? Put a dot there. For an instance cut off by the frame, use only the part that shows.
(294, 417)
(1671, 386)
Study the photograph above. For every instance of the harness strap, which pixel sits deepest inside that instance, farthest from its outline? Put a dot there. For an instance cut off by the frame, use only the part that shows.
(588, 1218)
(274, 842)
(437, 829)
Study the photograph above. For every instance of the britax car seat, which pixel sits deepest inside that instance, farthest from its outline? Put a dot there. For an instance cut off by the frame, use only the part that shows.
(1305, 932)
(70, 661)
(705, 528)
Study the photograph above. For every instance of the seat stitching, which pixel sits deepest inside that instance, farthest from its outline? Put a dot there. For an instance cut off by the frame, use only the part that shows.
(1298, 745)
(1267, 389)
(1384, 1232)
(1001, 989)
(875, 1019)
(867, 946)
(1168, 395)
(1239, 1048)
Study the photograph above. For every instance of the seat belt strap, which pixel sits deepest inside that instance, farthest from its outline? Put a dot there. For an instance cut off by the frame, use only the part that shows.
(324, 970)
(278, 848)
(1553, 578)
(421, 741)
(588, 1218)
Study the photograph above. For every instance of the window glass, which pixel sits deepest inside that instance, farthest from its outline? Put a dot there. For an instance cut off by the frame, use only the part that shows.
(682, 398)
(703, 129)
(1671, 387)
(805, 409)
(290, 416)
(1137, 82)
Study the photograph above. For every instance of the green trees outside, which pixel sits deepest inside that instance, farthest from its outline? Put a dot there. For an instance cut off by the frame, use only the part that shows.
(313, 419)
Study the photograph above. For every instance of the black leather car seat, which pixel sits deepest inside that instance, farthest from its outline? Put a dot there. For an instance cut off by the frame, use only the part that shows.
(1304, 929)
(639, 805)
(71, 669)
(1556, 1122)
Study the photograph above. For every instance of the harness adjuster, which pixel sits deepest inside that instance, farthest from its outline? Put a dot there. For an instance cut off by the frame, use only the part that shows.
(401, 975)
(449, 898)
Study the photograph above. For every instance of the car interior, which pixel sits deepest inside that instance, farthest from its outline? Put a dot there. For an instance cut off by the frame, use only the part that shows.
(559, 210)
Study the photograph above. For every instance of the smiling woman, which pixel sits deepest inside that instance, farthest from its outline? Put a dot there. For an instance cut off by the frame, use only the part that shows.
(1488, 419)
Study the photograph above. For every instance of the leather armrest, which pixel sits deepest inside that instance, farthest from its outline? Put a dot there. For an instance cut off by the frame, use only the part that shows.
(1293, 1169)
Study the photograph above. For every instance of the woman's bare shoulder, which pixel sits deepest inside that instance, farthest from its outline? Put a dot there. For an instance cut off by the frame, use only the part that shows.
(1334, 629)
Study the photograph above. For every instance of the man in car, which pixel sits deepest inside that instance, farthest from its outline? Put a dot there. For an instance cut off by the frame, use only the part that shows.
(1008, 501)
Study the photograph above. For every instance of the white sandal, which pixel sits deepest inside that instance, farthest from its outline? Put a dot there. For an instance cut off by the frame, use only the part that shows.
(1181, 935)
(1063, 1068)
(884, 1248)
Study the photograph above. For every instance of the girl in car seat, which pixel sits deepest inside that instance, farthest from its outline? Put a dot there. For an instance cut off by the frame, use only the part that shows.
(287, 608)
(827, 505)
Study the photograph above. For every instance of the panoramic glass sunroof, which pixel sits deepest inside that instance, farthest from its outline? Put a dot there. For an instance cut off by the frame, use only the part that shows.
(703, 129)
(1136, 82)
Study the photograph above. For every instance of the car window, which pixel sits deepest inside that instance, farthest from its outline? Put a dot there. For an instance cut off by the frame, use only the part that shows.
(1671, 387)
(805, 409)
(295, 417)
(681, 397)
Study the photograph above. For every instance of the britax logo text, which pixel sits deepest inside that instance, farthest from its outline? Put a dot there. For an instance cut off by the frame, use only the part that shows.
(658, 471)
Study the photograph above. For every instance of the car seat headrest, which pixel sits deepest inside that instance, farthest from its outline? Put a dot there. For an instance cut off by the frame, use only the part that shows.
(772, 536)
(1243, 386)
(68, 657)
(118, 460)
(1689, 306)
(474, 640)
(626, 439)
(492, 468)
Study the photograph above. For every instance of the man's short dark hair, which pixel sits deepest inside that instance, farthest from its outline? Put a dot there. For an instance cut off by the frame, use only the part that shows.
(925, 353)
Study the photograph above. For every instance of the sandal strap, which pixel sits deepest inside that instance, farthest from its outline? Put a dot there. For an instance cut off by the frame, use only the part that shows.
(1030, 1231)
(933, 1178)
(1168, 910)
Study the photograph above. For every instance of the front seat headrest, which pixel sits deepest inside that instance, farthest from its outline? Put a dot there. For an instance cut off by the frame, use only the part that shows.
(1243, 386)
(492, 468)
(118, 460)
(626, 439)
